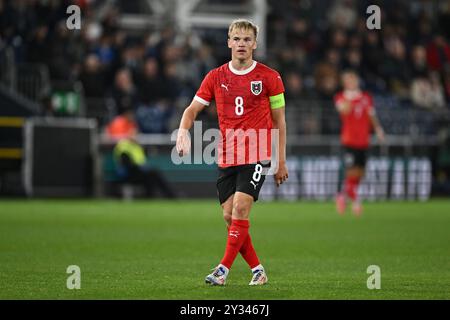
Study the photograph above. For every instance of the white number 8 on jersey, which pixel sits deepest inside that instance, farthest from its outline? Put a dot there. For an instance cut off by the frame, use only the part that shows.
(239, 106)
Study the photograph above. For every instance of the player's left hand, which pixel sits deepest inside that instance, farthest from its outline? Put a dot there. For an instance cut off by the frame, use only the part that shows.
(183, 144)
(282, 174)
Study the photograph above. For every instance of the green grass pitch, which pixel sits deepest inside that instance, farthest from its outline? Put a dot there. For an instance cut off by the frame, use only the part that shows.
(163, 250)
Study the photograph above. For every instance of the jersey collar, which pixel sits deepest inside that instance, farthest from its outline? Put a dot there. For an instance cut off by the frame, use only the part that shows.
(242, 72)
(354, 94)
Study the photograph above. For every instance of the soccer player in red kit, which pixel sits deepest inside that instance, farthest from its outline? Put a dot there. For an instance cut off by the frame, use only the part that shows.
(249, 97)
(358, 117)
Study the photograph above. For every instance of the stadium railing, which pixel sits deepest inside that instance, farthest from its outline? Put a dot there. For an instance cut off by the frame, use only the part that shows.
(33, 81)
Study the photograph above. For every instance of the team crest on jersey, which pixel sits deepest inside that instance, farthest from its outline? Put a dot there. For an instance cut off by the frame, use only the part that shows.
(256, 87)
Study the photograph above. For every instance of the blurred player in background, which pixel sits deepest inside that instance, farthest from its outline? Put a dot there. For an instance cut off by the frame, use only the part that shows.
(249, 96)
(358, 118)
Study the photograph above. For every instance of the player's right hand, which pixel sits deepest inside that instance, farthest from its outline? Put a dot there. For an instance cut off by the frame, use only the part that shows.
(344, 106)
(183, 142)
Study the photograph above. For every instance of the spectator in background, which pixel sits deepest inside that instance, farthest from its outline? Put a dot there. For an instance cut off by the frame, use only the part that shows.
(372, 56)
(326, 80)
(132, 56)
(92, 77)
(124, 92)
(334, 58)
(154, 118)
(133, 167)
(353, 59)
(122, 126)
(150, 83)
(105, 51)
(62, 53)
(294, 86)
(166, 38)
(338, 40)
(423, 30)
(158, 97)
(355, 41)
(110, 20)
(437, 90)
(298, 34)
(395, 67)
(343, 14)
(90, 35)
(438, 53)
(194, 67)
(171, 83)
(38, 48)
(419, 65)
(427, 92)
(287, 60)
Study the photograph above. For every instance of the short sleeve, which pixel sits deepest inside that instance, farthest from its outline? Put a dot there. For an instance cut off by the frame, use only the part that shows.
(276, 85)
(370, 105)
(205, 94)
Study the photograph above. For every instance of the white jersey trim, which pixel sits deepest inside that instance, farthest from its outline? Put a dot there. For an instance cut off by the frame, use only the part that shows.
(242, 72)
(352, 94)
(202, 101)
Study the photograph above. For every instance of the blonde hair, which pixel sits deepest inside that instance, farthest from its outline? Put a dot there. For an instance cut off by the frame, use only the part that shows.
(243, 24)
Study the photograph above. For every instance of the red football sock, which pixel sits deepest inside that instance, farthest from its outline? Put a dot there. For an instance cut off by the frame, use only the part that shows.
(237, 234)
(351, 187)
(248, 252)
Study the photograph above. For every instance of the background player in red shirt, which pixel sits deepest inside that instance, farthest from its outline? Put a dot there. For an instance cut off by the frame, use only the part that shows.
(249, 96)
(358, 117)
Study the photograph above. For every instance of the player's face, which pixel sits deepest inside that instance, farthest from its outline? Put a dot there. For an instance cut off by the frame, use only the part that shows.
(242, 42)
(350, 81)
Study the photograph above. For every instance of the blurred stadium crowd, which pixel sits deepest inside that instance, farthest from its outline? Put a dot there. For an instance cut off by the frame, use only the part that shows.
(409, 57)
(157, 72)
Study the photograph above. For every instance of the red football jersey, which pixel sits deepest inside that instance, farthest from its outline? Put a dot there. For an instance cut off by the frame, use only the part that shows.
(356, 125)
(242, 101)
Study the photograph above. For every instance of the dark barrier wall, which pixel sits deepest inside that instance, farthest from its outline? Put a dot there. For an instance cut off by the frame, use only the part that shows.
(60, 157)
(310, 178)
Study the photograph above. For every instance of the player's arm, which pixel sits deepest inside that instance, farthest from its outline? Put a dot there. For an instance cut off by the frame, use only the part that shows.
(377, 126)
(187, 120)
(343, 106)
(279, 122)
(201, 99)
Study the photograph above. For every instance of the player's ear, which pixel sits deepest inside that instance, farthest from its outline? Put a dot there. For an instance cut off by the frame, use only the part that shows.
(255, 45)
(229, 42)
